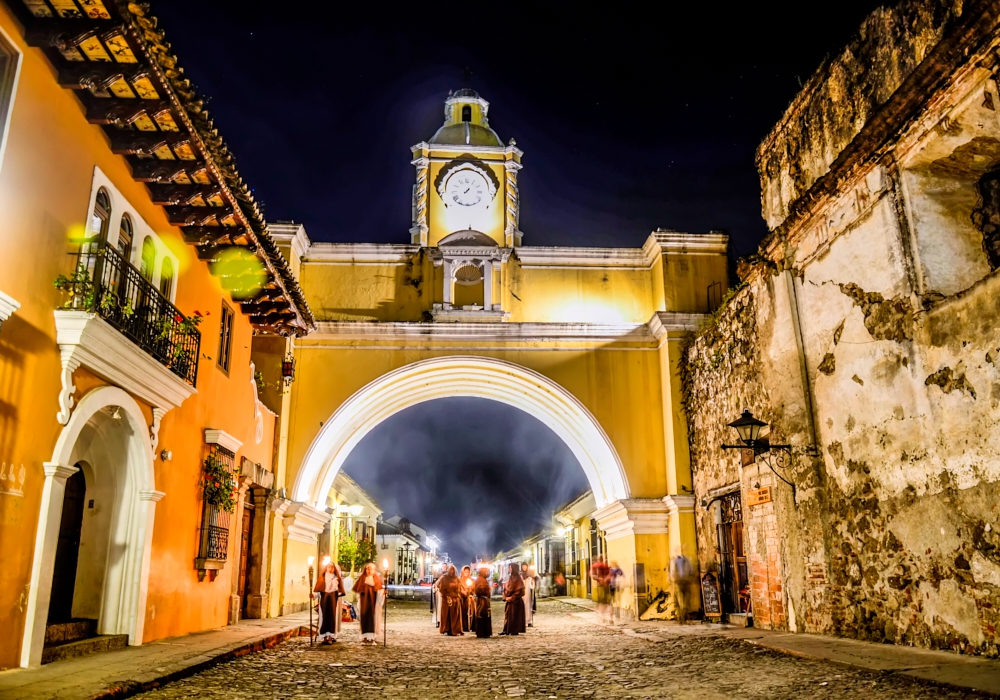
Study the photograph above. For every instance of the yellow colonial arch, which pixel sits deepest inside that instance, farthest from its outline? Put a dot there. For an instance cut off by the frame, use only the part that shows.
(467, 376)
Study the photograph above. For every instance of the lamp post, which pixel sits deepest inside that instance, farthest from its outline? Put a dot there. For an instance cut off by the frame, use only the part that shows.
(385, 605)
(749, 428)
(311, 560)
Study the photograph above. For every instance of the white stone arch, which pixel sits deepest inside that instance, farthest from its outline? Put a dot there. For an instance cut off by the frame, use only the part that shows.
(123, 598)
(477, 377)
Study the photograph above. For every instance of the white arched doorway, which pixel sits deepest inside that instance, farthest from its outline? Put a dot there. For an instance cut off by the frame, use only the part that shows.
(476, 377)
(108, 440)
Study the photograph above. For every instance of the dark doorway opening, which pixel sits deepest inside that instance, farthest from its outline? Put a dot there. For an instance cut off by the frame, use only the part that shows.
(67, 550)
(246, 538)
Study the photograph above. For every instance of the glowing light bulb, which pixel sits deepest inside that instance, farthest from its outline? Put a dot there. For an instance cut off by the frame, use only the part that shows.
(385, 564)
(311, 560)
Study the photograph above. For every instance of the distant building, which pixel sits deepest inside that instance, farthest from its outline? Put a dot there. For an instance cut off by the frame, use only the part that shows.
(412, 553)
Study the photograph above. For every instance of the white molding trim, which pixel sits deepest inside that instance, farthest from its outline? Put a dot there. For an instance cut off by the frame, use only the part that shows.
(460, 148)
(126, 579)
(293, 235)
(87, 339)
(657, 244)
(633, 516)
(8, 305)
(360, 253)
(213, 436)
(304, 523)
(663, 322)
(478, 332)
(470, 315)
(679, 503)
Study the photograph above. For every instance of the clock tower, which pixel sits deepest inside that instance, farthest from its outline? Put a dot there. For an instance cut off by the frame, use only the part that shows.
(466, 178)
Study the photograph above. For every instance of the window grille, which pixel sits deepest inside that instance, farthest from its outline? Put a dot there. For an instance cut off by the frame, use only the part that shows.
(215, 522)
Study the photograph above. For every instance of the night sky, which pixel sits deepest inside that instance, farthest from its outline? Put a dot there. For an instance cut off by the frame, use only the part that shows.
(630, 119)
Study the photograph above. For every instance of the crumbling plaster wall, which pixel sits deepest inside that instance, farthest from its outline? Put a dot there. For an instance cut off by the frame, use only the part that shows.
(893, 532)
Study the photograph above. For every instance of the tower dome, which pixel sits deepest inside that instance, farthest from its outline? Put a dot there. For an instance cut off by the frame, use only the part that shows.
(465, 121)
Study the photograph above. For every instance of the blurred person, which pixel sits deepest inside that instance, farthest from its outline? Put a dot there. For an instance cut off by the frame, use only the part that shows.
(615, 583)
(367, 589)
(465, 591)
(436, 598)
(451, 603)
(600, 572)
(529, 596)
(482, 621)
(513, 595)
(329, 590)
(681, 579)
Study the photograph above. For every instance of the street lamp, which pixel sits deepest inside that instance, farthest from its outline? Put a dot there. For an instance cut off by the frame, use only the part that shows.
(749, 428)
(311, 560)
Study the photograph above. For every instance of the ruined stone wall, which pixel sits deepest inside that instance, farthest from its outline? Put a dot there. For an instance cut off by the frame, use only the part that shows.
(863, 91)
(877, 356)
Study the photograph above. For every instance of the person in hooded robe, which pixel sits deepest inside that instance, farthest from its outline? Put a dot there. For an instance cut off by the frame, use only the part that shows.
(513, 595)
(367, 588)
(329, 590)
(465, 591)
(482, 621)
(451, 603)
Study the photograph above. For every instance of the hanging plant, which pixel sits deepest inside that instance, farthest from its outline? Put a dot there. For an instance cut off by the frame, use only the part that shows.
(220, 484)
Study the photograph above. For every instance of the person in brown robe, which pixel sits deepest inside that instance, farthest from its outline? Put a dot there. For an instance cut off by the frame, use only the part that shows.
(465, 591)
(367, 586)
(329, 589)
(451, 603)
(482, 622)
(513, 594)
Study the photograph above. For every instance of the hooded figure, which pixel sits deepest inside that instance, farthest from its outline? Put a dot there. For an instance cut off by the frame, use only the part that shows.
(367, 588)
(513, 594)
(482, 622)
(329, 589)
(451, 603)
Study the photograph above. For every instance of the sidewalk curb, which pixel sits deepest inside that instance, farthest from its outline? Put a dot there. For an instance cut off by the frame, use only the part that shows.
(129, 688)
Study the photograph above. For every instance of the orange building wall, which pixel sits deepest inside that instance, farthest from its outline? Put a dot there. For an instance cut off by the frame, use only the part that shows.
(45, 183)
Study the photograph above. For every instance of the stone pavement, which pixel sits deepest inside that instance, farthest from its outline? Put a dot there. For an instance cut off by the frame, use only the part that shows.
(564, 656)
(123, 673)
(938, 666)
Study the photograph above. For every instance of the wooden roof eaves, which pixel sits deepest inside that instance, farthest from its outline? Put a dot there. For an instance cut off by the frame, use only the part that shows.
(218, 157)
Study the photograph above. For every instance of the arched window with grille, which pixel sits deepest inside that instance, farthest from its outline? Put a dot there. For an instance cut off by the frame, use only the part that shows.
(148, 258)
(101, 215)
(166, 278)
(466, 113)
(126, 233)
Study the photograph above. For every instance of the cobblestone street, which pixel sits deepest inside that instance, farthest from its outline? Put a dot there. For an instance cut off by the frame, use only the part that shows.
(565, 655)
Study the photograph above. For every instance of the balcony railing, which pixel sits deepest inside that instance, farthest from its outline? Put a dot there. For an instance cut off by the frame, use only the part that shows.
(108, 285)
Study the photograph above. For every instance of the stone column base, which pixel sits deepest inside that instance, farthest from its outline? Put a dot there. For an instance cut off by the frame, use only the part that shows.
(234, 609)
(256, 607)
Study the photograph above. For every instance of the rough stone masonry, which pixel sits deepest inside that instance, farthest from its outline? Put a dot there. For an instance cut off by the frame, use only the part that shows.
(866, 332)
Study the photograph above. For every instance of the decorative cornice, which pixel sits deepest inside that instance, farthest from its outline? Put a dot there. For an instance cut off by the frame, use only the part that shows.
(8, 305)
(292, 235)
(633, 516)
(469, 316)
(663, 322)
(303, 523)
(151, 495)
(87, 339)
(222, 438)
(256, 475)
(360, 253)
(690, 243)
(679, 503)
(565, 256)
(481, 332)
(58, 472)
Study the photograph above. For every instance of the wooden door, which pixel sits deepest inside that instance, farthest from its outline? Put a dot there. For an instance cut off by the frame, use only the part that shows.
(244, 580)
(67, 550)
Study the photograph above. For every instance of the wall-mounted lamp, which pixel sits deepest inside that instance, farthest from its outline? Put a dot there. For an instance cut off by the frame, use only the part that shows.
(288, 370)
(753, 445)
(166, 455)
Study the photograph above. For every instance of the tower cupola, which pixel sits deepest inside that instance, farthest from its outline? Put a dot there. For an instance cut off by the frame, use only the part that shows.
(466, 121)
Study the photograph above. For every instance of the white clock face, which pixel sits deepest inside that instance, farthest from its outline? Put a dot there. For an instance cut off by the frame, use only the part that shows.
(466, 188)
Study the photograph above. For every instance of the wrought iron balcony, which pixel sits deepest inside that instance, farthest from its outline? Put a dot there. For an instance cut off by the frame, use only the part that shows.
(106, 284)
